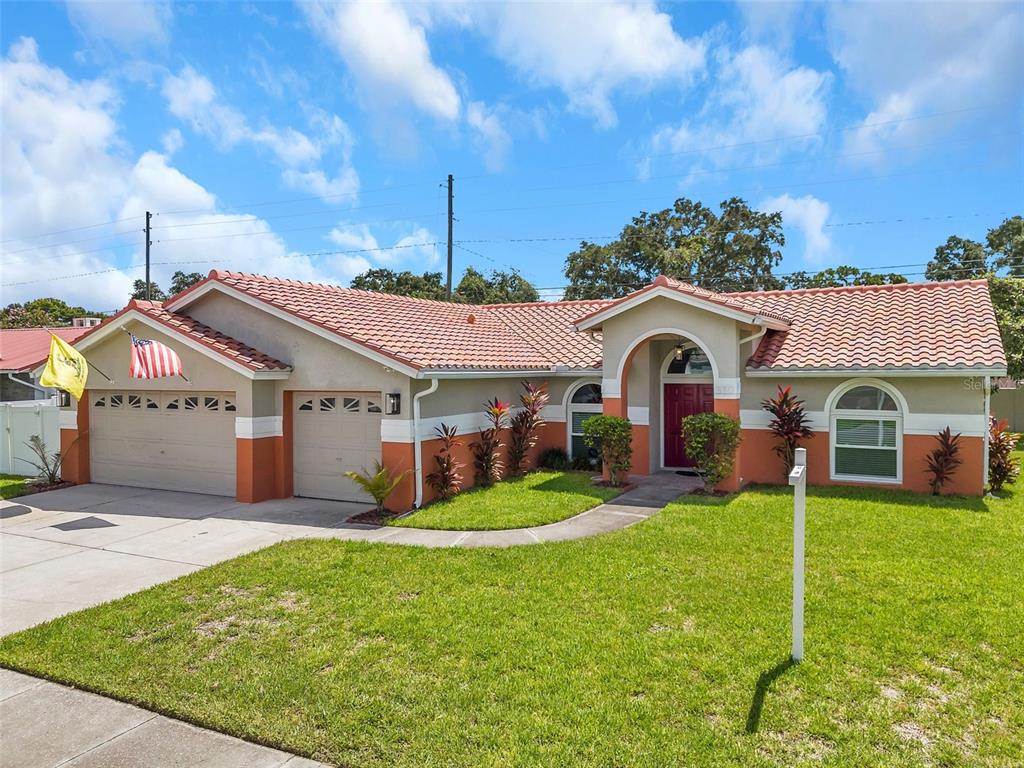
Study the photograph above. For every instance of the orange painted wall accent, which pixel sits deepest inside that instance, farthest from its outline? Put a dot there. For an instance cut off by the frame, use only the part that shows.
(767, 467)
(398, 457)
(74, 447)
(284, 459)
(731, 408)
(256, 469)
(641, 443)
(614, 406)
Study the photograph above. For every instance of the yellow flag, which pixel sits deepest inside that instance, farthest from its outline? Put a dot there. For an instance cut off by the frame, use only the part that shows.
(65, 368)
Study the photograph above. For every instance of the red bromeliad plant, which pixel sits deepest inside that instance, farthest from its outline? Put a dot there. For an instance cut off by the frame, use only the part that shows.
(943, 460)
(1002, 467)
(446, 480)
(789, 423)
(486, 459)
(525, 424)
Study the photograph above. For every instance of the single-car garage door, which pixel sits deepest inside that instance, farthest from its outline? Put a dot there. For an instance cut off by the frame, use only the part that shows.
(334, 432)
(181, 441)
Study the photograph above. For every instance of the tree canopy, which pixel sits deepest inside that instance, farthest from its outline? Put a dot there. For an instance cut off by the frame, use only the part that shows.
(837, 277)
(475, 287)
(179, 282)
(42, 313)
(735, 249)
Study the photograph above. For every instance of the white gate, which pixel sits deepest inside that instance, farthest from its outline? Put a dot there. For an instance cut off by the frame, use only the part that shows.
(18, 422)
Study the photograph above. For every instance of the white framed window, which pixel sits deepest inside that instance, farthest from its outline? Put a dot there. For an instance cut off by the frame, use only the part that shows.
(585, 400)
(866, 434)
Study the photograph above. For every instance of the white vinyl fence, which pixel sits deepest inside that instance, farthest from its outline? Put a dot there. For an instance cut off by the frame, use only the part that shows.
(18, 422)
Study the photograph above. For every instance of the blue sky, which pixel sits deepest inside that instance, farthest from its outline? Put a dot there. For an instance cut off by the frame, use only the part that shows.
(311, 140)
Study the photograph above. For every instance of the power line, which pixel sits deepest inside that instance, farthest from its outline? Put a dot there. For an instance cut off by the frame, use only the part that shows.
(249, 219)
(71, 229)
(72, 242)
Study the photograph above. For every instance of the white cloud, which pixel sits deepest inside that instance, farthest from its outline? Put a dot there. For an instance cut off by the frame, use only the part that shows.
(759, 96)
(128, 24)
(914, 59)
(65, 166)
(193, 98)
(490, 134)
(413, 250)
(808, 215)
(591, 50)
(388, 53)
(172, 141)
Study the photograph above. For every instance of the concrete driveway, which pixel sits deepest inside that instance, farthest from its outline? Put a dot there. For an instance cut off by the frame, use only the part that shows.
(69, 549)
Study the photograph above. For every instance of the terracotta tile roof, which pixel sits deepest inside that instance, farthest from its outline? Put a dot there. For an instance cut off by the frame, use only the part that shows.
(726, 300)
(210, 338)
(916, 325)
(434, 334)
(23, 349)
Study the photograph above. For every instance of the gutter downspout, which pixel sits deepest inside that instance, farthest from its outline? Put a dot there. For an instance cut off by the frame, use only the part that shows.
(44, 390)
(416, 440)
(755, 336)
(984, 452)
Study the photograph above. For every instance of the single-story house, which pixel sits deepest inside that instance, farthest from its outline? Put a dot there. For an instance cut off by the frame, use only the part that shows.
(292, 383)
(22, 350)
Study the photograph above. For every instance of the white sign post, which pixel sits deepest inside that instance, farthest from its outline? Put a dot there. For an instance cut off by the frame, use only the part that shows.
(798, 479)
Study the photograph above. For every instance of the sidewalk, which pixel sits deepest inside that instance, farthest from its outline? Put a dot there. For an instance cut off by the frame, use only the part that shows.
(45, 725)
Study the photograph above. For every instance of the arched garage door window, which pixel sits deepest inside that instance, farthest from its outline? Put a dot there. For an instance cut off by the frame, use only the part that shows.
(584, 402)
(867, 435)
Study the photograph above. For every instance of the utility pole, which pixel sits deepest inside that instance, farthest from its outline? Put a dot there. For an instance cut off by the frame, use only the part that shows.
(448, 286)
(149, 242)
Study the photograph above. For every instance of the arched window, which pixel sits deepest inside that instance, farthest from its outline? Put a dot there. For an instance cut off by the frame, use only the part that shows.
(692, 362)
(584, 401)
(867, 435)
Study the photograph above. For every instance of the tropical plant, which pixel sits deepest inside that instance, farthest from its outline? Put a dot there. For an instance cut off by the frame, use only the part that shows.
(47, 464)
(1002, 467)
(711, 443)
(486, 459)
(525, 423)
(789, 424)
(379, 484)
(446, 479)
(613, 437)
(553, 458)
(942, 462)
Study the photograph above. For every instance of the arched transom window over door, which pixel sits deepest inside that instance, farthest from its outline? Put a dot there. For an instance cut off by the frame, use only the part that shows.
(866, 435)
(585, 401)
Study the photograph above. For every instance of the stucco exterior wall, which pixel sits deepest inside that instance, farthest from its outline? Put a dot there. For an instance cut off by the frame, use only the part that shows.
(464, 396)
(1008, 404)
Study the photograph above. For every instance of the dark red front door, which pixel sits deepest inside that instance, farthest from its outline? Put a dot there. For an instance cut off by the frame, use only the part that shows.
(683, 400)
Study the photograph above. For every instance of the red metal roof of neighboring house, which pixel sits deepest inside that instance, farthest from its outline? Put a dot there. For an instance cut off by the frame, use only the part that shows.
(209, 337)
(915, 325)
(22, 349)
(434, 334)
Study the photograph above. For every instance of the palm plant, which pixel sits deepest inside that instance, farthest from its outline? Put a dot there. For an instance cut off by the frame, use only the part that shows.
(379, 484)
(944, 459)
(789, 423)
(48, 465)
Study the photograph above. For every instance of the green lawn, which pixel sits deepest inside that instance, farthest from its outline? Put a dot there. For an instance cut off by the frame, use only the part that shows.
(13, 485)
(661, 644)
(538, 498)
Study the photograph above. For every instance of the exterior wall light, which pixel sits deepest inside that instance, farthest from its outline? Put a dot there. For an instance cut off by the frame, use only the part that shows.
(679, 352)
(393, 403)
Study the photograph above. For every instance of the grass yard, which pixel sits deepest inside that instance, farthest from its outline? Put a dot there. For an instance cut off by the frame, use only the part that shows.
(538, 498)
(662, 644)
(13, 485)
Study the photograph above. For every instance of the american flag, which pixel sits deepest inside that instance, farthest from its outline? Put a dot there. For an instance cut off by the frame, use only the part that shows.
(153, 360)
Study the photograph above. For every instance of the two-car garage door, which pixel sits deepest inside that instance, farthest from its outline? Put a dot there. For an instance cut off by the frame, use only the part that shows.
(334, 432)
(181, 441)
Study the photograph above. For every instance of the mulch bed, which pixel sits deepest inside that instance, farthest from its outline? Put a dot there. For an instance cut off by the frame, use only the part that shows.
(41, 487)
(373, 517)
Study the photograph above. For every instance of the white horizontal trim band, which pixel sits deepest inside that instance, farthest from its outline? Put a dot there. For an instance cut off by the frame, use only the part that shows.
(969, 425)
(67, 419)
(639, 414)
(253, 428)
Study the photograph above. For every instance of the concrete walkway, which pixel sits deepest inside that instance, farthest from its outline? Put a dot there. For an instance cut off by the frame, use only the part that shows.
(45, 725)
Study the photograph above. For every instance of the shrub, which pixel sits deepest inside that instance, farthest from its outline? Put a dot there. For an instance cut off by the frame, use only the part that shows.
(48, 464)
(711, 442)
(1002, 467)
(525, 424)
(612, 436)
(486, 459)
(553, 458)
(446, 479)
(583, 463)
(789, 423)
(944, 459)
(379, 484)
